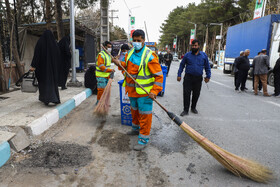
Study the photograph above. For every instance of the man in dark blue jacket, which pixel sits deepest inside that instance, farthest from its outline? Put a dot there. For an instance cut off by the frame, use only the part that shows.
(194, 62)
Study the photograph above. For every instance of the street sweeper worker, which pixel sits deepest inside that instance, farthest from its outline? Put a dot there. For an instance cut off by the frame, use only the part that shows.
(142, 63)
(103, 69)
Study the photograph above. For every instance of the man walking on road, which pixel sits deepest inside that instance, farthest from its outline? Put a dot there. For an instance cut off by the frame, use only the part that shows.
(103, 69)
(168, 59)
(194, 62)
(276, 72)
(143, 65)
(235, 70)
(243, 66)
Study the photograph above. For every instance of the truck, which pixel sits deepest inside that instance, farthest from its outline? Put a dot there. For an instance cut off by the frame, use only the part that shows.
(255, 35)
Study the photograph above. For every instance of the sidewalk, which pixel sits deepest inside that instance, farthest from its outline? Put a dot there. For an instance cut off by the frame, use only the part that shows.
(23, 115)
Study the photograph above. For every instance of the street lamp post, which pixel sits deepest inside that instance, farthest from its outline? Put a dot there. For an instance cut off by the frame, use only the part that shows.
(194, 28)
(129, 21)
(74, 82)
(221, 32)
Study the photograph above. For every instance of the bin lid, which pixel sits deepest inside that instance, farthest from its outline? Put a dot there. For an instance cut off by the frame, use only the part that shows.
(163, 68)
(121, 82)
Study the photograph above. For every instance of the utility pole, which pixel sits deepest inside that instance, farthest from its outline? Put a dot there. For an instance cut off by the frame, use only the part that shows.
(112, 15)
(74, 82)
(104, 28)
(206, 39)
(264, 7)
(146, 31)
(221, 33)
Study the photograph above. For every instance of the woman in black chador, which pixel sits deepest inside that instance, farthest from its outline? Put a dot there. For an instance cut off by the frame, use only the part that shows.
(45, 63)
(65, 64)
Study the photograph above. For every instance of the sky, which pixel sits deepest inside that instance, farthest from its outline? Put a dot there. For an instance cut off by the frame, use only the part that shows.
(153, 12)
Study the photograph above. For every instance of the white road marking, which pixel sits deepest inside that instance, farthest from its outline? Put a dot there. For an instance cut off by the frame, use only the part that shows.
(221, 84)
(269, 102)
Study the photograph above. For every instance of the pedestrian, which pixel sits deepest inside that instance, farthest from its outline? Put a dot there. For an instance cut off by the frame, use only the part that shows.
(160, 57)
(261, 67)
(124, 50)
(235, 70)
(276, 72)
(103, 69)
(168, 59)
(65, 62)
(142, 63)
(253, 77)
(243, 66)
(193, 62)
(45, 63)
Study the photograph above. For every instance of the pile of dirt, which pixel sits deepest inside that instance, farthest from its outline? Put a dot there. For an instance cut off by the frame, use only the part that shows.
(116, 142)
(53, 155)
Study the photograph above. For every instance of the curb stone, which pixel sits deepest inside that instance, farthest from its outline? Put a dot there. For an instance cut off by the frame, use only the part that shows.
(43, 123)
(5, 153)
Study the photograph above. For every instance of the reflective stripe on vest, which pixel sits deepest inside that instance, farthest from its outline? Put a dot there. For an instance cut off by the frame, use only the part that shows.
(107, 62)
(144, 77)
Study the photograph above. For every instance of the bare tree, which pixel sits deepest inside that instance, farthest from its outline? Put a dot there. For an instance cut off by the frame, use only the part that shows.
(2, 76)
(14, 46)
(58, 18)
(48, 13)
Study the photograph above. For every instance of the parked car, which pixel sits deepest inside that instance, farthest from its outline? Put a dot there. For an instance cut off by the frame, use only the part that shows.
(175, 57)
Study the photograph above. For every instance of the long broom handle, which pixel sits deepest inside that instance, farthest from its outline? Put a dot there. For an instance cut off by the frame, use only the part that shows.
(135, 80)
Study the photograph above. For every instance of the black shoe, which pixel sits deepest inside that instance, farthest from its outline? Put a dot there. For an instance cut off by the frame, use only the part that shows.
(194, 111)
(63, 88)
(132, 132)
(245, 88)
(184, 113)
(46, 103)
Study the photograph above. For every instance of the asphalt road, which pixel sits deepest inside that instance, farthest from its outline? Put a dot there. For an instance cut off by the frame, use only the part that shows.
(241, 123)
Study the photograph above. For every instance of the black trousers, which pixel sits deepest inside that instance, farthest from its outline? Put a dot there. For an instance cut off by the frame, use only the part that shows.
(260, 83)
(191, 85)
(235, 78)
(277, 84)
(168, 64)
(241, 80)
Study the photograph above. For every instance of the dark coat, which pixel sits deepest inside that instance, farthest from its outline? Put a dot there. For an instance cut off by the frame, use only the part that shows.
(243, 64)
(276, 69)
(46, 61)
(168, 58)
(65, 63)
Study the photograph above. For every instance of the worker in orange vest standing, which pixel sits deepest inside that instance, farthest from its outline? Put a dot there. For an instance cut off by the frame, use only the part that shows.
(103, 69)
(142, 63)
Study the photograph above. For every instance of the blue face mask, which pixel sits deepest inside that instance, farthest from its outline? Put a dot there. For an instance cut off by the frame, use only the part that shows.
(137, 45)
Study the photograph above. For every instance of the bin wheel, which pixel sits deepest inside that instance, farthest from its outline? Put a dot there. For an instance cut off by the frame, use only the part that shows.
(161, 94)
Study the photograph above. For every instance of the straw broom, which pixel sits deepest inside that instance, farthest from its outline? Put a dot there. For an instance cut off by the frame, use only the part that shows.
(239, 166)
(102, 108)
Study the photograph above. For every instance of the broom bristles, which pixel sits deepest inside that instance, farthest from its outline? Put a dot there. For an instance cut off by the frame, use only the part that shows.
(103, 106)
(237, 165)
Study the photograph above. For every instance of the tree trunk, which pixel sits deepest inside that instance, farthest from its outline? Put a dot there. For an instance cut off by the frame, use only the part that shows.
(58, 18)
(14, 45)
(2, 76)
(19, 11)
(48, 14)
(32, 10)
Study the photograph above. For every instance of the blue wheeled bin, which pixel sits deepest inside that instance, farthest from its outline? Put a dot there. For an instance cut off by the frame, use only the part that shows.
(164, 71)
(126, 117)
